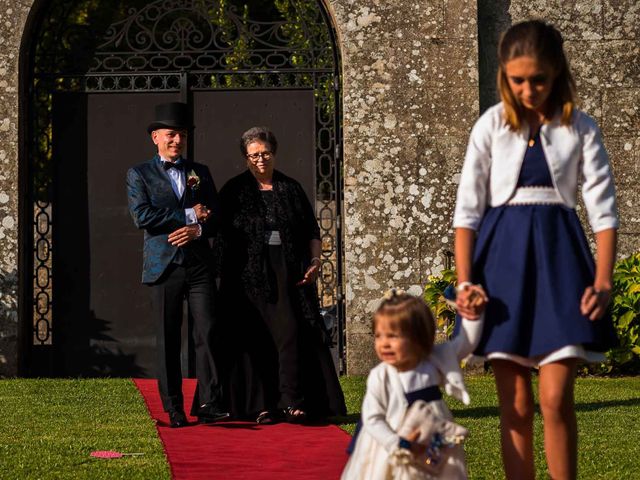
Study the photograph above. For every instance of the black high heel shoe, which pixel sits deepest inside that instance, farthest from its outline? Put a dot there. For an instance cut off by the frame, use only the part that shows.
(265, 418)
(291, 416)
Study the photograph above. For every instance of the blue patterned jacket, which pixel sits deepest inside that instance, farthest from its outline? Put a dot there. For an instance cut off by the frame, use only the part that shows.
(156, 209)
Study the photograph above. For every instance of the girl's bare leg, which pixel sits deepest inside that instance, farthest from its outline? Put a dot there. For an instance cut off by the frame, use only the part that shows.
(560, 428)
(515, 395)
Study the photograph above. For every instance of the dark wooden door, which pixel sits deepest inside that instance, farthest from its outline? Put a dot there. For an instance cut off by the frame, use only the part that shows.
(101, 312)
(101, 318)
(221, 117)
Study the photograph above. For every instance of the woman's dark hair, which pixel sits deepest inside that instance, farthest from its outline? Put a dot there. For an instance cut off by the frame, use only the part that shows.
(543, 42)
(412, 316)
(258, 134)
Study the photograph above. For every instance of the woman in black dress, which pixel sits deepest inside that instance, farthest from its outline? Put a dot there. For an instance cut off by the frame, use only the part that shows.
(281, 364)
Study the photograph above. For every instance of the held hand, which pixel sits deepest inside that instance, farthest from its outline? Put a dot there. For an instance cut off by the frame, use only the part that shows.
(416, 448)
(202, 212)
(471, 301)
(184, 235)
(594, 302)
(311, 275)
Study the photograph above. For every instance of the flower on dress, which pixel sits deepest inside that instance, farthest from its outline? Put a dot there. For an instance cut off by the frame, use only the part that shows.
(193, 180)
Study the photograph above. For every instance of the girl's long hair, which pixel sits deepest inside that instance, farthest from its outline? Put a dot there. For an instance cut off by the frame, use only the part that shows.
(542, 42)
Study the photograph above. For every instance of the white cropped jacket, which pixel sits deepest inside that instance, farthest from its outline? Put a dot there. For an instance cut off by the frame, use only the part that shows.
(494, 158)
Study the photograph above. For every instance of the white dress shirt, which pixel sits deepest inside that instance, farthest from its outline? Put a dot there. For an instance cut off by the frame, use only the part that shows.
(177, 178)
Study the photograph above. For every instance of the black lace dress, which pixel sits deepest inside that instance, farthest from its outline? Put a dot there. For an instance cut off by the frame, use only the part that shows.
(275, 344)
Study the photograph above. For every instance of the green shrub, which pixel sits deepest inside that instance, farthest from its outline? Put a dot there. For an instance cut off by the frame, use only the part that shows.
(625, 310)
(434, 296)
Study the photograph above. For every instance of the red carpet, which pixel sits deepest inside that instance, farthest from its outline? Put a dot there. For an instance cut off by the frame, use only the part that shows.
(237, 450)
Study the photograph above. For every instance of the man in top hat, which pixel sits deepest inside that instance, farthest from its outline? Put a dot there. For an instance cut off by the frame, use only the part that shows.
(175, 202)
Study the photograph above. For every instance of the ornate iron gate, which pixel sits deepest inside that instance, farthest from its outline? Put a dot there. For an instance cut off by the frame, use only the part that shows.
(174, 46)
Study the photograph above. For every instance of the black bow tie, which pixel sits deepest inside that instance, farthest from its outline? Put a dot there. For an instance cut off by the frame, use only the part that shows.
(176, 165)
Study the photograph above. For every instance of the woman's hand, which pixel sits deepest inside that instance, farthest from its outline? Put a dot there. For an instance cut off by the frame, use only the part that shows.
(311, 275)
(594, 302)
(202, 212)
(596, 297)
(471, 300)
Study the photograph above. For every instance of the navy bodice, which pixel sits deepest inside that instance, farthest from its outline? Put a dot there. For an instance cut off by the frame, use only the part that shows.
(535, 171)
(428, 394)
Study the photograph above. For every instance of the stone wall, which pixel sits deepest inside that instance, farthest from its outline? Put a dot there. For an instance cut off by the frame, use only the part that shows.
(414, 82)
(13, 16)
(410, 79)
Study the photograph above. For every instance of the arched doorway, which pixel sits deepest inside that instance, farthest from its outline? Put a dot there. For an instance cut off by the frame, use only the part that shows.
(94, 72)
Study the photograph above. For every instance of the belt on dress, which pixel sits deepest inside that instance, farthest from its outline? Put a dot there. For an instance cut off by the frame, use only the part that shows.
(272, 237)
(428, 394)
(535, 196)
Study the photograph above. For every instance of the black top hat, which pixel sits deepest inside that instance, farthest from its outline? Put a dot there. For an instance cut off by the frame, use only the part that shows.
(171, 115)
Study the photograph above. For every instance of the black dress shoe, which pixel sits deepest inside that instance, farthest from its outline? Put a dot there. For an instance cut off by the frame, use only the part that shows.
(210, 412)
(177, 419)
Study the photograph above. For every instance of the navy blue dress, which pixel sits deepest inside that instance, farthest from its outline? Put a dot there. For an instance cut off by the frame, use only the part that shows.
(535, 263)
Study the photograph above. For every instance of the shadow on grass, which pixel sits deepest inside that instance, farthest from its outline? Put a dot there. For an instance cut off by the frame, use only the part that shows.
(484, 412)
(345, 419)
(477, 412)
(594, 406)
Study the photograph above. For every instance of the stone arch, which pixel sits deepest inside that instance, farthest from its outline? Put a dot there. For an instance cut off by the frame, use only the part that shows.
(54, 59)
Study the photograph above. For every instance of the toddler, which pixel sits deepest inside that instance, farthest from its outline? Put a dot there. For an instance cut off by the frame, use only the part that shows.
(412, 368)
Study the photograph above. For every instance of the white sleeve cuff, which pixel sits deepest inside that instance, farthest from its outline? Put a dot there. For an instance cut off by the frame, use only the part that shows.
(461, 220)
(192, 218)
(468, 336)
(605, 224)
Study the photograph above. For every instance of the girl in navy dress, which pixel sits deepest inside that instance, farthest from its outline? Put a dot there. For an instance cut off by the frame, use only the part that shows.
(517, 234)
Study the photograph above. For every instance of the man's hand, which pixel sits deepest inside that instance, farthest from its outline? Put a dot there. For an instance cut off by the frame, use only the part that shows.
(202, 212)
(184, 235)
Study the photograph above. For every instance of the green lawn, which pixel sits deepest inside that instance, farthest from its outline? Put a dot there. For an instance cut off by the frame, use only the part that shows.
(49, 428)
(608, 411)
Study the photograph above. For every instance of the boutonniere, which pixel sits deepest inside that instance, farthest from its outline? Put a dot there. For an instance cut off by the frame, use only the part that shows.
(193, 181)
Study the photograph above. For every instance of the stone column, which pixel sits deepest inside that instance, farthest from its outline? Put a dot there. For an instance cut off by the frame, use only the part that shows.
(13, 16)
(410, 98)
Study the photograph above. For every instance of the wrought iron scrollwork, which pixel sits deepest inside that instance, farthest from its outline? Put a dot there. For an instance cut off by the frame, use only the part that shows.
(192, 34)
(184, 35)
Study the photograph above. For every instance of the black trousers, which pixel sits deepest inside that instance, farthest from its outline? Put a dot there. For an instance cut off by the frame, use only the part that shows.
(282, 323)
(192, 281)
